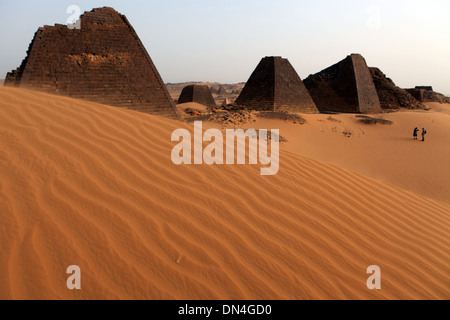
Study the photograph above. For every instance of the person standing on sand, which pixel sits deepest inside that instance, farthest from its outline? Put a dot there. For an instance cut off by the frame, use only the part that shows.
(416, 131)
(424, 132)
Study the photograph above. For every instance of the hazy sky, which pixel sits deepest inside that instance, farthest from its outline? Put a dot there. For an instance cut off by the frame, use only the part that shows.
(224, 40)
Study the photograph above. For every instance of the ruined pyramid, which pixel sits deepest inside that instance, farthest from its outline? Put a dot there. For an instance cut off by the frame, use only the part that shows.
(427, 94)
(197, 93)
(391, 96)
(276, 86)
(345, 87)
(104, 61)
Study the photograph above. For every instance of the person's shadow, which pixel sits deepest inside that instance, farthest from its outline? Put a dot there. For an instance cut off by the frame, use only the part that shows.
(407, 139)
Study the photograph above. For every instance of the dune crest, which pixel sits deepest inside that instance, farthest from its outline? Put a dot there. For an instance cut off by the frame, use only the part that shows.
(94, 186)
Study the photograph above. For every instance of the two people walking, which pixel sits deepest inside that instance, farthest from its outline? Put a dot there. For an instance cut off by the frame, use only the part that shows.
(416, 131)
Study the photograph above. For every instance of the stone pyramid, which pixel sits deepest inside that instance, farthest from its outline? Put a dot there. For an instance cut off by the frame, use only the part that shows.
(197, 93)
(345, 87)
(391, 96)
(276, 86)
(427, 94)
(222, 90)
(104, 61)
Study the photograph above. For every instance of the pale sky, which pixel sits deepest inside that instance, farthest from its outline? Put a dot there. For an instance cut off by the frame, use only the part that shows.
(224, 40)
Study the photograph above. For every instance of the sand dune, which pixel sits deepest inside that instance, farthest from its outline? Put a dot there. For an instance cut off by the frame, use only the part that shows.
(92, 185)
(384, 152)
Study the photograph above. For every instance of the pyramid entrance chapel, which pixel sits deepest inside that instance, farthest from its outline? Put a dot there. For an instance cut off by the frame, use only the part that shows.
(104, 61)
(276, 86)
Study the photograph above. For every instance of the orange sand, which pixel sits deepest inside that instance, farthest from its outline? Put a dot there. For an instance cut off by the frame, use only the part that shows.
(92, 185)
(385, 152)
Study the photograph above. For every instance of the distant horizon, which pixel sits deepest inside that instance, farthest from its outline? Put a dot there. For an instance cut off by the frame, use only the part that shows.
(223, 41)
(242, 82)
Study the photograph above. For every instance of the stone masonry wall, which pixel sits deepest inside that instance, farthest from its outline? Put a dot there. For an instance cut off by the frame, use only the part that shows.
(290, 92)
(367, 94)
(259, 91)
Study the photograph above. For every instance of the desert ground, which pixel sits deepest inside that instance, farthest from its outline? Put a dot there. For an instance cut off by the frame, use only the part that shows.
(91, 185)
(384, 152)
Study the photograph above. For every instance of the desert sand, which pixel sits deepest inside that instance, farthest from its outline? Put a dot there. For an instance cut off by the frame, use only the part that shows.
(91, 185)
(385, 152)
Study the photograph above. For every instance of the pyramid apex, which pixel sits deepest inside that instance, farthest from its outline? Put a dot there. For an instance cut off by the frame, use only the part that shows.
(356, 55)
(104, 9)
(273, 57)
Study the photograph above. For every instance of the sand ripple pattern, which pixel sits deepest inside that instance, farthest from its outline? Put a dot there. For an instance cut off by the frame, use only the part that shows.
(91, 185)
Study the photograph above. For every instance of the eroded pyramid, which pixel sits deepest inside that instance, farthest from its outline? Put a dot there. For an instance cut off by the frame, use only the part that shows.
(197, 93)
(427, 94)
(276, 86)
(104, 61)
(345, 87)
(391, 96)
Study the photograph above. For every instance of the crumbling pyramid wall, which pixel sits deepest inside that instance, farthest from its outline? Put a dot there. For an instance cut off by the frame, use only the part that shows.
(418, 94)
(276, 86)
(391, 96)
(104, 62)
(345, 87)
(197, 93)
(427, 94)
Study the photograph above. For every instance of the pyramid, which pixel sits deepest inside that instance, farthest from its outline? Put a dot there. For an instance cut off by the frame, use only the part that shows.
(427, 94)
(197, 93)
(345, 87)
(104, 61)
(222, 91)
(276, 86)
(391, 96)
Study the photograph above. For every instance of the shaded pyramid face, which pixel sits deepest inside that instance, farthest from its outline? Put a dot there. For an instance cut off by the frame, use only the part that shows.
(197, 93)
(276, 86)
(345, 87)
(104, 62)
